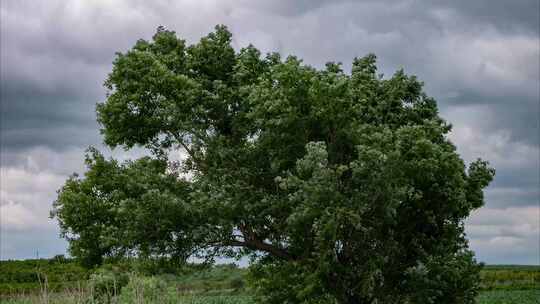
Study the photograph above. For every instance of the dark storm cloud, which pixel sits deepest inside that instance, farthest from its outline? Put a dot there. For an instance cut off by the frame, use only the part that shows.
(55, 120)
(467, 54)
(518, 115)
(500, 198)
(51, 77)
(479, 59)
(61, 53)
(55, 55)
(511, 16)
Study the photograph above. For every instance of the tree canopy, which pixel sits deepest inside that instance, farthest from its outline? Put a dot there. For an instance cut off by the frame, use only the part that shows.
(341, 187)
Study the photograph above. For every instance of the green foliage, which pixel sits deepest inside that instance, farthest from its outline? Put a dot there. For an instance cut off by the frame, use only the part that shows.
(144, 290)
(156, 266)
(116, 206)
(340, 187)
(219, 278)
(106, 283)
(28, 275)
(456, 275)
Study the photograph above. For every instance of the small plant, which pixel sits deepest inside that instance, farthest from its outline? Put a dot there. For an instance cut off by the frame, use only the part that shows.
(44, 288)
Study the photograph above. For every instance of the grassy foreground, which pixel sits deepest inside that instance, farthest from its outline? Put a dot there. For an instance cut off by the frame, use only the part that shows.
(509, 297)
(65, 283)
(485, 297)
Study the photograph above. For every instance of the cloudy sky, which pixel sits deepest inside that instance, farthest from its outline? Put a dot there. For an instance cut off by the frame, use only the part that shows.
(479, 59)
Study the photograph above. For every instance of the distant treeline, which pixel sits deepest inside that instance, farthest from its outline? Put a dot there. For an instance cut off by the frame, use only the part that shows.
(27, 275)
(512, 277)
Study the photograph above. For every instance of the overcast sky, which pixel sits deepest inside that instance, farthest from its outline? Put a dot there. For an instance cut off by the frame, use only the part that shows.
(479, 59)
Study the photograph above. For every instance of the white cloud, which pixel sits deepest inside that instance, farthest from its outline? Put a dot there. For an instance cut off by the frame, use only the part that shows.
(16, 216)
(26, 198)
(486, 62)
(509, 235)
(498, 147)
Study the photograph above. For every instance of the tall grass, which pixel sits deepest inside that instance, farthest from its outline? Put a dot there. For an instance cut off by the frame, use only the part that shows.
(224, 284)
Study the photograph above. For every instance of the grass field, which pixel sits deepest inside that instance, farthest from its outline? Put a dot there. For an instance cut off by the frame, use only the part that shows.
(223, 284)
(509, 297)
(64, 299)
(486, 297)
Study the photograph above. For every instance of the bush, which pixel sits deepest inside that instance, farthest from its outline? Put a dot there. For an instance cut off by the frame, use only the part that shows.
(144, 290)
(106, 283)
(24, 275)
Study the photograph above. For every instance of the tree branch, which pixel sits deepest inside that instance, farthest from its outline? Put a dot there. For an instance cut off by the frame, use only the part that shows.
(252, 242)
(189, 151)
(261, 246)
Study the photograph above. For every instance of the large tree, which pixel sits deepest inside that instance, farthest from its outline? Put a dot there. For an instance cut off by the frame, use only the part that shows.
(341, 187)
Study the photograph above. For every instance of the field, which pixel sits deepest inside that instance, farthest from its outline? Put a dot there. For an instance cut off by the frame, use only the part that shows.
(62, 281)
(509, 297)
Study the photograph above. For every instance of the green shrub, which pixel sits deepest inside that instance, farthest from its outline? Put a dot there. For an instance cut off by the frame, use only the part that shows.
(106, 283)
(144, 290)
(23, 276)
